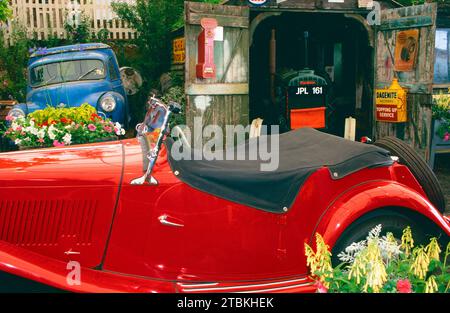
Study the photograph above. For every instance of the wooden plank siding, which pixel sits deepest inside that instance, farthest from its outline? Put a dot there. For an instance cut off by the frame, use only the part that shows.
(224, 100)
(417, 131)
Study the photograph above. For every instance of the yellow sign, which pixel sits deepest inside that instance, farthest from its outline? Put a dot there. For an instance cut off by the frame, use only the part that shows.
(391, 104)
(179, 51)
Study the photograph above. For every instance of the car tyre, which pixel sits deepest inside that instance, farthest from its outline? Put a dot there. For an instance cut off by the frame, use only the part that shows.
(391, 221)
(419, 168)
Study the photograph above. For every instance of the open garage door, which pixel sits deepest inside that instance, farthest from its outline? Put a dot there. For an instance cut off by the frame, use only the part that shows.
(414, 28)
(223, 98)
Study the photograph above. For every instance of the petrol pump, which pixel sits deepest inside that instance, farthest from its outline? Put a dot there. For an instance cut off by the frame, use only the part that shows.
(306, 97)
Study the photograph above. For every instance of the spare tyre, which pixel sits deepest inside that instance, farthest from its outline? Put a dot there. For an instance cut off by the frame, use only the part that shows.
(418, 167)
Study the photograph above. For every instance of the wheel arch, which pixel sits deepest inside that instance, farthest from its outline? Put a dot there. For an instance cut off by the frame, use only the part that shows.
(371, 198)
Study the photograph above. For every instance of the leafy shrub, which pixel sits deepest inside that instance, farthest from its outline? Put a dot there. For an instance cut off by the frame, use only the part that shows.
(381, 264)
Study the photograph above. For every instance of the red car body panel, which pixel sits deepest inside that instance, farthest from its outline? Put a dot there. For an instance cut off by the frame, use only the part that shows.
(216, 245)
(60, 201)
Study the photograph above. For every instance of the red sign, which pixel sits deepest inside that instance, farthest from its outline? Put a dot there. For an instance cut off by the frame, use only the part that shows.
(206, 67)
(387, 113)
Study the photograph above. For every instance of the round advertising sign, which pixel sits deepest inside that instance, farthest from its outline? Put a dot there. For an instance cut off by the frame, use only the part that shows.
(257, 2)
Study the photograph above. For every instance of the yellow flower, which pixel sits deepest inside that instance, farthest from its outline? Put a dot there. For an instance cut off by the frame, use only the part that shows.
(421, 263)
(320, 261)
(358, 268)
(433, 250)
(431, 285)
(376, 270)
(310, 258)
(407, 240)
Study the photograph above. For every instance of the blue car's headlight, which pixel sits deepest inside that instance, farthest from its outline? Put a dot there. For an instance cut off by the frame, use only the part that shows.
(16, 113)
(108, 103)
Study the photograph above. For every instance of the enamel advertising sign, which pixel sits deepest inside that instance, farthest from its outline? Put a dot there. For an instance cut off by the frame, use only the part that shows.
(406, 48)
(391, 104)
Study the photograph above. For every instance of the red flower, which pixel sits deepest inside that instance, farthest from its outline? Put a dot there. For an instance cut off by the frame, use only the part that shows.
(320, 287)
(66, 120)
(95, 117)
(404, 286)
(447, 137)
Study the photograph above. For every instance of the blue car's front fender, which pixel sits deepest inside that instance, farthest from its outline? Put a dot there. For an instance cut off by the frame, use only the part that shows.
(120, 114)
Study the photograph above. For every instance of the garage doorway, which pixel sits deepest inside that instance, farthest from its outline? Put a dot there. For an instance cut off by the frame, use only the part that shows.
(335, 46)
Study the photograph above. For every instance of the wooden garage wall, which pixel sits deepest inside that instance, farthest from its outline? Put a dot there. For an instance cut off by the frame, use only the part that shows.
(417, 131)
(223, 100)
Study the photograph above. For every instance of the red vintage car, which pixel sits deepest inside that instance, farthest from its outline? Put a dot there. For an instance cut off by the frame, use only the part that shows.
(137, 220)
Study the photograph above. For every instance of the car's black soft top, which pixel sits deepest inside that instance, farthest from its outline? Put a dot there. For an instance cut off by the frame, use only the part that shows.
(301, 153)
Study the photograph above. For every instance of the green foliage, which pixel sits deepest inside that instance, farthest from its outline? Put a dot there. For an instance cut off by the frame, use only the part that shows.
(177, 95)
(78, 32)
(5, 11)
(13, 61)
(153, 21)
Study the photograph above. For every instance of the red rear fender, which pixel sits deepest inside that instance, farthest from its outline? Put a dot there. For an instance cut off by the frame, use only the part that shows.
(368, 197)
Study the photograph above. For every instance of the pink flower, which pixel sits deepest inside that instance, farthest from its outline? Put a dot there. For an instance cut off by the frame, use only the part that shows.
(446, 137)
(92, 127)
(56, 143)
(41, 140)
(10, 118)
(108, 129)
(404, 286)
(320, 287)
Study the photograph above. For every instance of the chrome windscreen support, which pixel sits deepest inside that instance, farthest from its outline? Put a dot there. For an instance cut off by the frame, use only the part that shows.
(153, 153)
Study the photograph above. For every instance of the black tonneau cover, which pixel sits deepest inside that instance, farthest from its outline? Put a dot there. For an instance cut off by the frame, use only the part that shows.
(301, 153)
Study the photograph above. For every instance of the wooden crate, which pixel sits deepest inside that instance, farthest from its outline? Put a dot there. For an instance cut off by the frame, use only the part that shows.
(5, 107)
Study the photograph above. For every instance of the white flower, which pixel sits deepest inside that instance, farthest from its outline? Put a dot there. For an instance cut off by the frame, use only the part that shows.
(27, 139)
(51, 135)
(52, 132)
(41, 134)
(18, 141)
(67, 139)
(32, 130)
(14, 126)
(119, 130)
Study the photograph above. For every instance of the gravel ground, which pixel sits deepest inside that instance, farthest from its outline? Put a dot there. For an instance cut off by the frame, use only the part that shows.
(442, 170)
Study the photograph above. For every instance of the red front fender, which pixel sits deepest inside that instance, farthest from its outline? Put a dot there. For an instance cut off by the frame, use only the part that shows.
(368, 197)
(51, 272)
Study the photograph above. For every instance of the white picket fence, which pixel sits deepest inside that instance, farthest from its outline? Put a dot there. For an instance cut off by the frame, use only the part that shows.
(43, 18)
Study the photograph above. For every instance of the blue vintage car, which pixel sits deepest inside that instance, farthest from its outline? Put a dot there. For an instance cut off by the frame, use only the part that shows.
(76, 74)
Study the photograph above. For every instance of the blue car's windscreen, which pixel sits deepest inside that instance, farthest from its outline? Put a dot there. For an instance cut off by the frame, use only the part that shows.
(67, 71)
